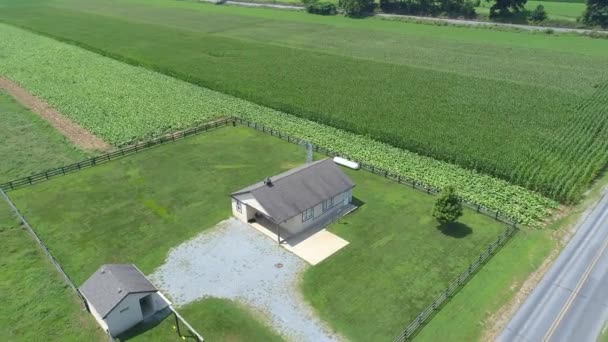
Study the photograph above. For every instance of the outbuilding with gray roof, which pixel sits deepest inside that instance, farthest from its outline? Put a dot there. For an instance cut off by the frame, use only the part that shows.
(120, 296)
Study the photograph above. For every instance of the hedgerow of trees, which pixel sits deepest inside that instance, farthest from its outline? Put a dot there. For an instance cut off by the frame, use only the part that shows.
(462, 8)
(356, 8)
(506, 8)
(596, 13)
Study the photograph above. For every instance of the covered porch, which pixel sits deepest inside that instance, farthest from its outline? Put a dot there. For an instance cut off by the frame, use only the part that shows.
(313, 245)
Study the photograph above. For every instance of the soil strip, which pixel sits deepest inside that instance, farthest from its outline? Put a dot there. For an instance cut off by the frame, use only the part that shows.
(71, 130)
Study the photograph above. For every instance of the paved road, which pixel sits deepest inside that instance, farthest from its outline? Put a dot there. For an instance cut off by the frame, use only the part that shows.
(571, 301)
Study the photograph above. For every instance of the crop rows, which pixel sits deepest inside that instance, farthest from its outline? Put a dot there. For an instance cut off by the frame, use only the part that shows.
(123, 103)
(497, 124)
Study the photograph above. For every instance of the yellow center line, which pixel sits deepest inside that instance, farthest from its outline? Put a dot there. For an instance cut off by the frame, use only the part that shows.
(574, 293)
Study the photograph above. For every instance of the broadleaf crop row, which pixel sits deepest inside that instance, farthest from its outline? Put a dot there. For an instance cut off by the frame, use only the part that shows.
(123, 103)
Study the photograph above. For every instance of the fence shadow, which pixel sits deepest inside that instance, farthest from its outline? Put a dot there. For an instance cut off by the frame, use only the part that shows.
(455, 229)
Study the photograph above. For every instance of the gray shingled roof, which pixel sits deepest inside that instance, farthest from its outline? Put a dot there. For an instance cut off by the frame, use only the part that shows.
(111, 283)
(299, 189)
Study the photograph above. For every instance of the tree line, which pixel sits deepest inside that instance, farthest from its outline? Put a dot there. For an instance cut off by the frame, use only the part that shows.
(596, 13)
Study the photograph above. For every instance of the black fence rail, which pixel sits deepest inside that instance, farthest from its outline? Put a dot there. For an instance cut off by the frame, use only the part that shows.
(178, 318)
(42, 246)
(415, 326)
(119, 153)
(410, 330)
(376, 170)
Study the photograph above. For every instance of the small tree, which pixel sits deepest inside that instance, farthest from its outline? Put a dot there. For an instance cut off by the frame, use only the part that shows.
(539, 14)
(596, 13)
(505, 8)
(355, 8)
(448, 207)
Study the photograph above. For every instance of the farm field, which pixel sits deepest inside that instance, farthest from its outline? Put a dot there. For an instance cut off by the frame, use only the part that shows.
(93, 214)
(46, 68)
(436, 97)
(29, 144)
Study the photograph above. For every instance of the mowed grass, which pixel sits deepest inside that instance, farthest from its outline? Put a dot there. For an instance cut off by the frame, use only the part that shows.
(217, 320)
(36, 302)
(135, 209)
(30, 144)
(496, 102)
(468, 315)
(397, 261)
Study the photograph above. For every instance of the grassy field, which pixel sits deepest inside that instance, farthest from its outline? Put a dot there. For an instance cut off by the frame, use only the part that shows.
(429, 89)
(397, 261)
(469, 315)
(217, 320)
(30, 144)
(392, 236)
(127, 110)
(137, 208)
(35, 300)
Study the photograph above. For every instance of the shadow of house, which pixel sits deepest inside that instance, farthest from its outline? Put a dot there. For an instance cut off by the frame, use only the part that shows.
(455, 229)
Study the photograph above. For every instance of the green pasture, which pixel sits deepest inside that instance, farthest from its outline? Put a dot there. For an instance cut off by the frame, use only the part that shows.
(135, 209)
(30, 144)
(36, 302)
(486, 100)
(398, 259)
(217, 320)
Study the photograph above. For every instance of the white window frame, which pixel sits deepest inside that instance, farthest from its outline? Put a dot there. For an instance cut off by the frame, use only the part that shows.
(308, 214)
(328, 204)
(239, 206)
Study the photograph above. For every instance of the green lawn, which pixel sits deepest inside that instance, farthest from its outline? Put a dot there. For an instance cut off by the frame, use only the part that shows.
(397, 261)
(467, 317)
(429, 89)
(135, 209)
(29, 144)
(36, 302)
(604, 335)
(217, 320)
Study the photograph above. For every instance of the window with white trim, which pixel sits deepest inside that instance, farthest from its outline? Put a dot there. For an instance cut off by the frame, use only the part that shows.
(308, 214)
(239, 206)
(328, 204)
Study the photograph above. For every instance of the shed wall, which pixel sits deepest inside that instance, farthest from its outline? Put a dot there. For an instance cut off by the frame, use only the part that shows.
(119, 322)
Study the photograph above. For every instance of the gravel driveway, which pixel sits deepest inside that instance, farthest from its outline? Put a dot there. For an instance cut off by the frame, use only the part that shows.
(235, 261)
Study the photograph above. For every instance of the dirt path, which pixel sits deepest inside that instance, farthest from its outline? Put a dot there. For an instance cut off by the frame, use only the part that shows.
(71, 130)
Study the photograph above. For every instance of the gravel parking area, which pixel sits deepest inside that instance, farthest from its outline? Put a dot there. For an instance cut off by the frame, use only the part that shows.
(237, 262)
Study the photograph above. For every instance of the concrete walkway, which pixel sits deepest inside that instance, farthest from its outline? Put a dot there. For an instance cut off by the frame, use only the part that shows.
(235, 261)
